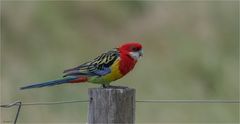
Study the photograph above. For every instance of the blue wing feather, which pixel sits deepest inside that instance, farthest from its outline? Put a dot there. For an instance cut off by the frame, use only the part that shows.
(102, 72)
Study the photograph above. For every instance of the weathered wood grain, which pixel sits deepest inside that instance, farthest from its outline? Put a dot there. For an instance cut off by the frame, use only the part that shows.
(111, 105)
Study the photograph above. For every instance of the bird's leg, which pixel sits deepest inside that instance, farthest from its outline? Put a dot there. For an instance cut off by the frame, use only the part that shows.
(116, 87)
(104, 86)
(111, 86)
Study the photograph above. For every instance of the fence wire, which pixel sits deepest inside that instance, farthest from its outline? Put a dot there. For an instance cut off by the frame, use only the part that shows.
(20, 104)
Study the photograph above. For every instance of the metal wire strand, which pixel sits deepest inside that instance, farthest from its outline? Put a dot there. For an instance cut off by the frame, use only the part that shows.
(19, 103)
(140, 101)
(53, 103)
(18, 111)
(188, 101)
(16, 103)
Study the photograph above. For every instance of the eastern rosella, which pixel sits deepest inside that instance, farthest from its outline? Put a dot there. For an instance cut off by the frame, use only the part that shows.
(104, 69)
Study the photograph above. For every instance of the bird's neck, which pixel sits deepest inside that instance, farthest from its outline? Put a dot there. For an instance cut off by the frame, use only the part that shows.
(126, 63)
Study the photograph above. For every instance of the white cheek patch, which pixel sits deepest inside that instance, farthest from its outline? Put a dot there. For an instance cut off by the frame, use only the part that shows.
(134, 55)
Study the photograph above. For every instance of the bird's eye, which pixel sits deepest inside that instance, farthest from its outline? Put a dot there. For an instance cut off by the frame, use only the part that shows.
(135, 49)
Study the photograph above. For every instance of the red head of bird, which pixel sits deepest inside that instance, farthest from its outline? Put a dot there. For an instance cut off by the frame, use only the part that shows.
(132, 49)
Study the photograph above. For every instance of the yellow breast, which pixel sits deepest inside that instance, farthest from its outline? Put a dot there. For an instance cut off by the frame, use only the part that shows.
(115, 72)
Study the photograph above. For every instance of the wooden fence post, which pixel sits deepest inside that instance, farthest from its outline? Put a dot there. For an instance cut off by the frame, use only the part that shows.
(111, 105)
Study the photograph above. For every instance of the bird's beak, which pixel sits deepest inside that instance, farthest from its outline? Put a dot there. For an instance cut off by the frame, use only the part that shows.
(141, 53)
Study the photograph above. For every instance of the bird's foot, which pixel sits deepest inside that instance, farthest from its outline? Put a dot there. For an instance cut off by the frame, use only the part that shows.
(115, 87)
(104, 86)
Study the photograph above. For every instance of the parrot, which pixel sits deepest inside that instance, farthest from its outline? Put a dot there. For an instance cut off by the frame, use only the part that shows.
(104, 69)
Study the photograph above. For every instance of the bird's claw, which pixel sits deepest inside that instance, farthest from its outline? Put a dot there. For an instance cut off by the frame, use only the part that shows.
(110, 86)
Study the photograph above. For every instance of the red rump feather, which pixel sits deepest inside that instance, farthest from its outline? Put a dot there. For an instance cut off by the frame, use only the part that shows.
(79, 80)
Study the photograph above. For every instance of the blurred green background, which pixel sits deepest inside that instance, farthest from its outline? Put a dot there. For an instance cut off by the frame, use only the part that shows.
(190, 52)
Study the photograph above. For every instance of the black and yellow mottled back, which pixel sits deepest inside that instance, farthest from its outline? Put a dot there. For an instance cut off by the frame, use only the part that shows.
(97, 67)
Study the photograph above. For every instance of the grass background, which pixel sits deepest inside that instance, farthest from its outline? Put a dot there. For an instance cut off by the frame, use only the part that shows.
(191, 51)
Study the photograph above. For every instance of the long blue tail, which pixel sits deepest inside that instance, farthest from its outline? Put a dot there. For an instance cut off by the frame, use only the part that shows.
(49, 83)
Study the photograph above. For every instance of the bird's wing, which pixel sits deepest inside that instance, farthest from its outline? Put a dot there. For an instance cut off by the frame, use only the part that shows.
(98, 67)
